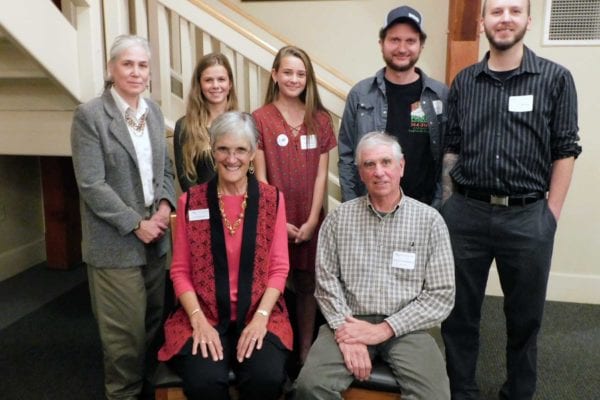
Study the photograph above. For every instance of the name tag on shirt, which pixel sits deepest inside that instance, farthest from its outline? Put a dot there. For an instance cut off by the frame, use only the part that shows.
(404, 260)
(198, 215)
(520, 103)
(438, 106)
(308, 142)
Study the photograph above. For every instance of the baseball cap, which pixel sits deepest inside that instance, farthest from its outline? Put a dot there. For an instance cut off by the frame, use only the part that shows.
(406, 13)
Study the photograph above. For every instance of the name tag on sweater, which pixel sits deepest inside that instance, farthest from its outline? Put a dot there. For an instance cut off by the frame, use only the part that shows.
(404, 260)
(198, 215)
(520, 103)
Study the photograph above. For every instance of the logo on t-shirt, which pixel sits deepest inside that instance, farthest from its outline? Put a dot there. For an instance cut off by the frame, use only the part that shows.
(418, 122)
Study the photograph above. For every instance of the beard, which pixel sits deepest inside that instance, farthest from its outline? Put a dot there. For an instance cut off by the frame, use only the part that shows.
(504, 45)
(389, 62)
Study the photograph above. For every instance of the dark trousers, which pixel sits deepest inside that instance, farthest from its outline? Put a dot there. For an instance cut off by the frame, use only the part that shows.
(259, 377)
(520, 240)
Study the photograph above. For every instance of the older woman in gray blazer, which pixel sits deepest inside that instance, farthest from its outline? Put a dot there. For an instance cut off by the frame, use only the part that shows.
(125, 181)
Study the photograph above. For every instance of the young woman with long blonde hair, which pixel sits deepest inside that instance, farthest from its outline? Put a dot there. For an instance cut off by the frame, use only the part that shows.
(211, 94)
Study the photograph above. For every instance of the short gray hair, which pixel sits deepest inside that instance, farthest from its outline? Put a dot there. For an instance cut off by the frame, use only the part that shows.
(122, 43)
(377, 138)
(234, 123)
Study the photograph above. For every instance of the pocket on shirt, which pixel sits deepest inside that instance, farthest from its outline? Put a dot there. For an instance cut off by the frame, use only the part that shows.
(365, 117)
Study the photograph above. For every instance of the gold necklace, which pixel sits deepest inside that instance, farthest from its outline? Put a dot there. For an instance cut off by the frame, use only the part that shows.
(136, 124)
(236, 224)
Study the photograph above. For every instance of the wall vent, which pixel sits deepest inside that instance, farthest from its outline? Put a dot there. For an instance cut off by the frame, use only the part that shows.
(572, 22)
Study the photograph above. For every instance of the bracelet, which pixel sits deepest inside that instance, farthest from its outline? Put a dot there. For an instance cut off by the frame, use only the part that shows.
(262, 312)
(195, 311)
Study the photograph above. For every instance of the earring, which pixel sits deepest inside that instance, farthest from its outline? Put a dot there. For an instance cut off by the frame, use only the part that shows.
(251, 168)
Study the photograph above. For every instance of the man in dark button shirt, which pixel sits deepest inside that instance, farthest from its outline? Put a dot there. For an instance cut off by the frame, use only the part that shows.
(510, 148)
(401, 100)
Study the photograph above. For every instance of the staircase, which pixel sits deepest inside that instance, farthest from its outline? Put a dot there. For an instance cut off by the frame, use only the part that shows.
(35, 110)
(51, 60)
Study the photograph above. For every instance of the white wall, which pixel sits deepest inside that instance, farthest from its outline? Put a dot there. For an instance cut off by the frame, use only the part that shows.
(343, 34)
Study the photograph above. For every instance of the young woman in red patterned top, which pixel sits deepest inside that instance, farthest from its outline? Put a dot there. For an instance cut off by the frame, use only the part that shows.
(295, 136)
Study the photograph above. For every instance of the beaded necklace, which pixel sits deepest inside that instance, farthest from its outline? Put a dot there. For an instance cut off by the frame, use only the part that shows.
(136, 124)
(232, 228)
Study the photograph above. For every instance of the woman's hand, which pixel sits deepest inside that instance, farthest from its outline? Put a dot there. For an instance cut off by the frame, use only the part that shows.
(292, 231)
(207, 337)
(306, 232)
(163, 213)
(252, 337)
(150, 230)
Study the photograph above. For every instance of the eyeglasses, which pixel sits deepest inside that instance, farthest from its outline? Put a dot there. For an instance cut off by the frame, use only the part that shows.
(225, 152)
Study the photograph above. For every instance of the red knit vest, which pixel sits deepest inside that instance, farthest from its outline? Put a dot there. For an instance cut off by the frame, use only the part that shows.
(177, 328)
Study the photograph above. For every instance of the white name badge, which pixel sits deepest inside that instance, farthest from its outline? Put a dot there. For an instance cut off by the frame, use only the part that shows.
(282, 140)
(438, 106)
(308, 142)
(520, 103)
(198, 215)
(404, 260)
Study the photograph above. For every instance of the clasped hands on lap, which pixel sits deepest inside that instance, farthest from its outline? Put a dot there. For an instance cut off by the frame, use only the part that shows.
(353, 337)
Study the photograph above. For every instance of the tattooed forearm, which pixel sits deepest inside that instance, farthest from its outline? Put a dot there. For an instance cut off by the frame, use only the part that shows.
(448, 162)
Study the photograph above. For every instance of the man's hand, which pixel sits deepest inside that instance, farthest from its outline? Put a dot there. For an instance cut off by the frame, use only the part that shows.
(355, 331)
(357, 360)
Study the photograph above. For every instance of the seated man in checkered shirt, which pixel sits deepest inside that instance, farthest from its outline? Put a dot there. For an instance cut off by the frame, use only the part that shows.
(385, 275)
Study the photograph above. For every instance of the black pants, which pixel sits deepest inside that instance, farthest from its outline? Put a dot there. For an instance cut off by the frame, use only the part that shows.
(259, 377)
(520, 240)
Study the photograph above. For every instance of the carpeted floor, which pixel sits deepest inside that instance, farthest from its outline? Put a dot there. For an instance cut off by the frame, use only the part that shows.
(54, 352)
(568, 351)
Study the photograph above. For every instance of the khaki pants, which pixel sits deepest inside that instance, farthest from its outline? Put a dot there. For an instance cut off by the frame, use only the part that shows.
(128, 306)
(415, 359)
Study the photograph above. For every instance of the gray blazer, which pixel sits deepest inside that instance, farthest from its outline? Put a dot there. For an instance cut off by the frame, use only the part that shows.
(112, 198)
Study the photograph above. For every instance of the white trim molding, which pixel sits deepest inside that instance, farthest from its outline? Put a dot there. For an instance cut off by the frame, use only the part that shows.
(570, 288)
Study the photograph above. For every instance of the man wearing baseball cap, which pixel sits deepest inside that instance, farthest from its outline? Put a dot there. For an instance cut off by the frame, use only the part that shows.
(402, 101)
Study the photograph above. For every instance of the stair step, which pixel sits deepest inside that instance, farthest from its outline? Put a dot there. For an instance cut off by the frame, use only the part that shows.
(15, 63)
(35, 132)
(33, 94)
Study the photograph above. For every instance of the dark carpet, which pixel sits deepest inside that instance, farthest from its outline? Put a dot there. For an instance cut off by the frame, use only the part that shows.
(54, 352)
(568, 351)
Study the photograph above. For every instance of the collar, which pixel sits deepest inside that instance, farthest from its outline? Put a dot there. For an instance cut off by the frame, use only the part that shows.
(123, 106)
(377, 213)
(379, 80)
(528, 64)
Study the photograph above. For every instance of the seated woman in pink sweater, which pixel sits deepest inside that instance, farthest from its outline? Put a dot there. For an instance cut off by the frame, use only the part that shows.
(230, 263)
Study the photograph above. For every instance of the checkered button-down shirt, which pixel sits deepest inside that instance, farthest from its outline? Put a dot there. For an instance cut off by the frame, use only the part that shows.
(399, 265)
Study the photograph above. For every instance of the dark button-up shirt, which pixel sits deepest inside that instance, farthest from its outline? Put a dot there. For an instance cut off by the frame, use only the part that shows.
(508, 132)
